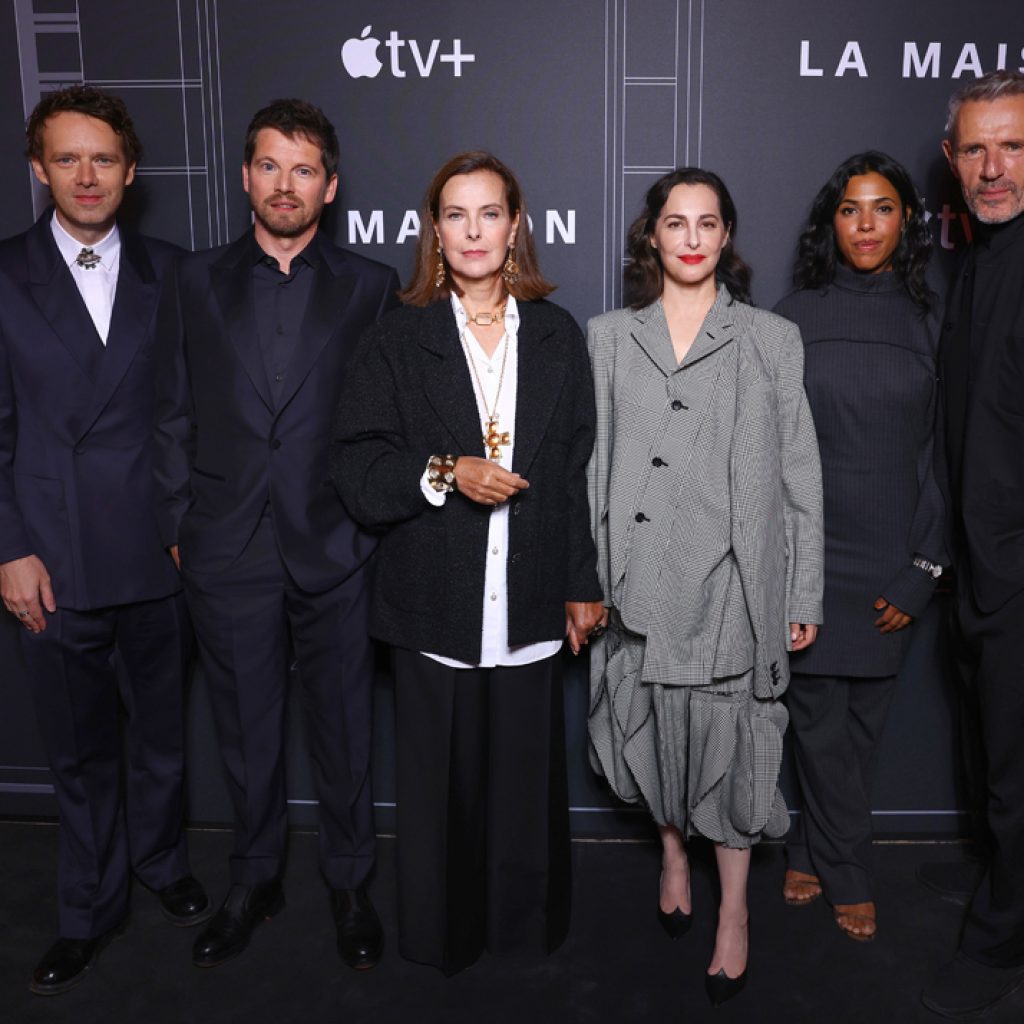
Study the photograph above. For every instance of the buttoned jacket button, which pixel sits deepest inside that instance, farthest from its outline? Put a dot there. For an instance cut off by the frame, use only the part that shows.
(677, 405)
(276, 443)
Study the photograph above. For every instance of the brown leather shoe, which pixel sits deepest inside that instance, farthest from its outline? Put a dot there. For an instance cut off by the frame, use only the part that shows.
(856, 920)
(800, 889)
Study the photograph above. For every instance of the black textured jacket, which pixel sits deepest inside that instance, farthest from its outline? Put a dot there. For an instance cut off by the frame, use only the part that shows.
(408, 396)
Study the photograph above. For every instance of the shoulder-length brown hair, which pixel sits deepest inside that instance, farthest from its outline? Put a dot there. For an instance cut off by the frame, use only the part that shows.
(421, 290)
(645, 278)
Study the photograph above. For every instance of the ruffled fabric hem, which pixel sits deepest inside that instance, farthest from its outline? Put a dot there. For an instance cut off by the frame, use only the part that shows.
(705, 759)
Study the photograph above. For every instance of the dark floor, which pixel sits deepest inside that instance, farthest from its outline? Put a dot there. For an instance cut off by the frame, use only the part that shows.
(616, 966)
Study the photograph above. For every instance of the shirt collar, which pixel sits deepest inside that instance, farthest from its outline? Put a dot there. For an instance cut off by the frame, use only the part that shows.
(107, 248)
(310, 255)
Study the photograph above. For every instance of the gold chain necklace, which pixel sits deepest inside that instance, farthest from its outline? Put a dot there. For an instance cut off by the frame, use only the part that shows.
(493, 438)
(486, 319)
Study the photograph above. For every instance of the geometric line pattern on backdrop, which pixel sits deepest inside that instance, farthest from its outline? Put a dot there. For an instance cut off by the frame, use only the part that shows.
(48, 62)
(654, 62)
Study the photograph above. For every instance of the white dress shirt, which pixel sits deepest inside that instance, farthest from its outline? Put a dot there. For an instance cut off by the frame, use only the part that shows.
(96, 286)
(494, 648)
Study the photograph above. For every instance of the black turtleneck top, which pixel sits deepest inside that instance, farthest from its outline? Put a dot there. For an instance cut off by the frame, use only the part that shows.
(870, 376)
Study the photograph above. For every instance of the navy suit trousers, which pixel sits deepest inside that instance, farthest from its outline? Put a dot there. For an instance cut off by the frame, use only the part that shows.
(86, 666)
(249, 619)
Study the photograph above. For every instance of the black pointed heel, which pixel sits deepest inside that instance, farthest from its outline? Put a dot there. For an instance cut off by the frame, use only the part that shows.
(676, 924)
(720, 987)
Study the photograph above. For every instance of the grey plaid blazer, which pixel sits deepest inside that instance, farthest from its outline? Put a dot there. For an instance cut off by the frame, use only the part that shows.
(742, 482)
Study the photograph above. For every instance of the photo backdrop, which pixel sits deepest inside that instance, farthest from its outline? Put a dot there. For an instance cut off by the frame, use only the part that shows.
(589, 101)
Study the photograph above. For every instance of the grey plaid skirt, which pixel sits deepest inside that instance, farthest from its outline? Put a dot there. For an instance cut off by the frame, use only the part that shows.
(703, 758)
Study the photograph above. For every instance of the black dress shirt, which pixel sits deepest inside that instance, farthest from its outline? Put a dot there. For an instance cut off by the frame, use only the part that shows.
(280, 301)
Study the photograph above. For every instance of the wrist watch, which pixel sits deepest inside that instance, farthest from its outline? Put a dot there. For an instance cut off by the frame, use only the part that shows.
(933, 570)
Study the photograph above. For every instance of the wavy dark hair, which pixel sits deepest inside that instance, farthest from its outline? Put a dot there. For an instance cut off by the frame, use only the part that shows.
(421, 290)
(817, 252)
(88, 100)
(645, 278)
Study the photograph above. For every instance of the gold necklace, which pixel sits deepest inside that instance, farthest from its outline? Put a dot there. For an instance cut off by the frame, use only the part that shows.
(486, 319)
(493, 438)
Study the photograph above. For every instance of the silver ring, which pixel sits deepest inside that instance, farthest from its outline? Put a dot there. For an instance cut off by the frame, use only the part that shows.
(23, 615)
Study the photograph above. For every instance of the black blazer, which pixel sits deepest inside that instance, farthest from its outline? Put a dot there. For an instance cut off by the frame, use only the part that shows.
(76, 475)
(983, 396)
(409, 396)
(225, 448)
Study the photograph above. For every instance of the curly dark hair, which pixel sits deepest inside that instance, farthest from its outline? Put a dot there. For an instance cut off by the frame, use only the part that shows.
(88, 100)
(817, 252)
(296, 117)
(421, 290)
(644, 276)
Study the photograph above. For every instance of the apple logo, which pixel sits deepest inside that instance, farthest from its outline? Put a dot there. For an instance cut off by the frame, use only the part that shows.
(360, 55)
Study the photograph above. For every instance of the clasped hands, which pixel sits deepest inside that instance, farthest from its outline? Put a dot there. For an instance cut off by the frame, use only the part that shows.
(487, 483)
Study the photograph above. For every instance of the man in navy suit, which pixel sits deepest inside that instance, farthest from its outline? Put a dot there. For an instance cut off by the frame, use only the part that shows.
(82, 566)
(255, 341)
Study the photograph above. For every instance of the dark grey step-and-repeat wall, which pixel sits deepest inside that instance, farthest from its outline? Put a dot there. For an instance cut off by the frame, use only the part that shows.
(589, 101)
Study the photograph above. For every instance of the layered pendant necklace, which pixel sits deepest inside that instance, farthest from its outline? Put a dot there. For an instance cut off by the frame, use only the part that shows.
(493, 438)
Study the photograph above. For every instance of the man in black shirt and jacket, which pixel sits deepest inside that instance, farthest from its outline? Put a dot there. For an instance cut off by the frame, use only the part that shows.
(982, 368)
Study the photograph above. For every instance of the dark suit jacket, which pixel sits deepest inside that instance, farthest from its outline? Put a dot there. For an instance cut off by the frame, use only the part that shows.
(410, 396)
(982, 369)
(225, 447)
(76, 476)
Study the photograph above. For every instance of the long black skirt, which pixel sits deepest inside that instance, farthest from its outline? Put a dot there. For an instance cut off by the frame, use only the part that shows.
(483, 817)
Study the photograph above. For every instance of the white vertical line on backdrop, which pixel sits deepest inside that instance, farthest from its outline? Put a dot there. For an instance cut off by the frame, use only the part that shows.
(184, 123)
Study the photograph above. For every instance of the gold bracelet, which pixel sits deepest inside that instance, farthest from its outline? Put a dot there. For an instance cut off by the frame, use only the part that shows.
(441, 473)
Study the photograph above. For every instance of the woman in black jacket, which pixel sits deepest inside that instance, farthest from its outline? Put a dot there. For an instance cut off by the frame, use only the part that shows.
(869, 324)
(464, 430)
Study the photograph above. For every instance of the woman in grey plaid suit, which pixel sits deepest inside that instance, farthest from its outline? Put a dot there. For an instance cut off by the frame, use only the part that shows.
(705, 491)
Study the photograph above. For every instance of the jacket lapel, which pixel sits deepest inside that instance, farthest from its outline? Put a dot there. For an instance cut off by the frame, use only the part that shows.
(231, 280)
(54, 291)
(650, 332)
(325, 316)
(135, 300)
(542, 370)
(446, 380)
(725, 320)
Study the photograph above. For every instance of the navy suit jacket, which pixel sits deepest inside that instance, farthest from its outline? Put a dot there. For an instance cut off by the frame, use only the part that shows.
(225, 447)
(76, 476)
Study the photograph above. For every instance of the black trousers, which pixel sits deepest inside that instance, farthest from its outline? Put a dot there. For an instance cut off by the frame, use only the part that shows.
(994, 929)
(248, 619)
(483, 818)
(115, 817)
(835, 725)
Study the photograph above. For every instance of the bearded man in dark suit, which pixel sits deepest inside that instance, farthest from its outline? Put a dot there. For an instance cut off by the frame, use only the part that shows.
(256, 337)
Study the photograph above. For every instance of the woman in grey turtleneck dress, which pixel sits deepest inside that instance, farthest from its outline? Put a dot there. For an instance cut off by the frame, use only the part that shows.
(869, 325)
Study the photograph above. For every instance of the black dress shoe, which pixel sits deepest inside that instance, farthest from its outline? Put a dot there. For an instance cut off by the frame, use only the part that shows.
(66, 962)
(954, 880)
(231, 928)
(360, 936)
(676, 924)
(184, 902)
(721, 987)
(964, 989)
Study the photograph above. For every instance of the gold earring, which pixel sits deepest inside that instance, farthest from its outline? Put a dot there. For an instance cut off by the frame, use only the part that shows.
(510, 271)
(439, 269)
